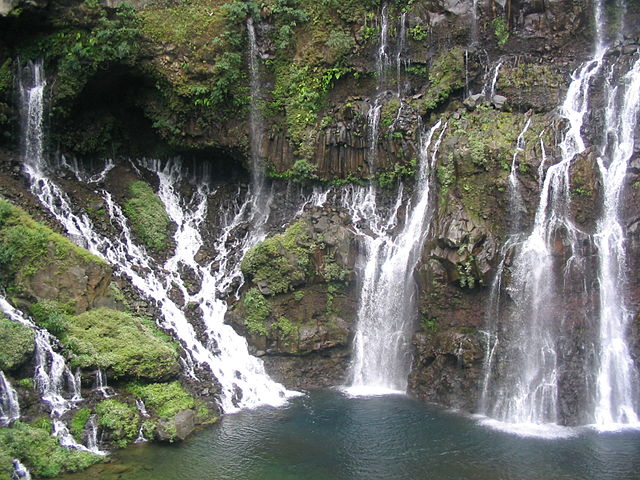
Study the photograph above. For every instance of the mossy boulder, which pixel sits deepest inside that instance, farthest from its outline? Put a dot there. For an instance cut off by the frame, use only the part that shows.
(40, 452)
(123, 345)
(175, 411)
(17, 344)
(282, 262)
(37, 264)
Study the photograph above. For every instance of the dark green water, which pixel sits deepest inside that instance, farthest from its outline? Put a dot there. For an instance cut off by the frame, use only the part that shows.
(327, 435)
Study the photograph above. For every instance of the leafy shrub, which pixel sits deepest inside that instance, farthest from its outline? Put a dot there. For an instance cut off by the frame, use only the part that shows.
(17, 343)
(257, 312)
(120, 419)
(52, 315)
(117, 341)
(78, 422)
(501, 30)
(41, 452)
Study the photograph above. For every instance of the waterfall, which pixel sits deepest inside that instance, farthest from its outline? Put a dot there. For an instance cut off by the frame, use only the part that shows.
(20, 472)
(373, 115)
(522, 373)
(9, 406)
(318, 198)
(491, 80)
(101, 384)
(243, 381)
(515, 198)
(382, 57)
(402, 38)
(617, 380)
(51, 377)
(474, 24)
(91, 436)
(142, 408)
(525, 389)
(387, 299)
(260, 194)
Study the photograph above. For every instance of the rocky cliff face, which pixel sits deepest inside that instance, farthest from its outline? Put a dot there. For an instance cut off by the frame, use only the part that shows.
(347, 89)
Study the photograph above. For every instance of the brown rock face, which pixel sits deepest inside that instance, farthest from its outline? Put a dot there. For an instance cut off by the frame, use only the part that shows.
(82, 281)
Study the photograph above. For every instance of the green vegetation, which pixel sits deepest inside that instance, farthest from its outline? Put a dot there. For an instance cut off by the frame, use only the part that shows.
(125, 345)
(81, 53)
(17, 343)
(525, 76)
(6, 90)
(332, 272)
(388, 178)
(210, 39)
(27, 247)
(167, 399)
(282, 261)
(418, 33)
(284, 327)
(430, 325)
(501, 30)
(466, 270)
(300, 172)
(79, 420)
(300, 92)
(149, 220)
(39, 451)
(446, 74)
(580, 192)
(257, 312)
(52, 315)
(122, 421)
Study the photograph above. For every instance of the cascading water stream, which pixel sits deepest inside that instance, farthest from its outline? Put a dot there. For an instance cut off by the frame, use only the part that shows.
(20, 472)
(242, 378)
(617, 381)
(515, 196)
(524, 389)
(101, 384)
(9, 405)
(51, 377)
(386, 304)
(491, 80)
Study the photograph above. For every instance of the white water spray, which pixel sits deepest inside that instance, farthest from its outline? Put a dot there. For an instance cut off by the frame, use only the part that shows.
(386, 305)
(617, 382)
(9, 405)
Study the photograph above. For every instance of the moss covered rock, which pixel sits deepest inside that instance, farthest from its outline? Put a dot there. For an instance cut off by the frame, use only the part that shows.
(120, 343)
(176, 411)
(149, 220)
(282, 262)
(17, 344)
(36, 263)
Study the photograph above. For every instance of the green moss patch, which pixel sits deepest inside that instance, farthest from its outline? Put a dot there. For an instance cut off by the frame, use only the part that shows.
(149, 220)
(167, 399)
(446, 74)
(125, 345)
(40, 452)
(78, 422)
(17, 344)
(281, 262)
